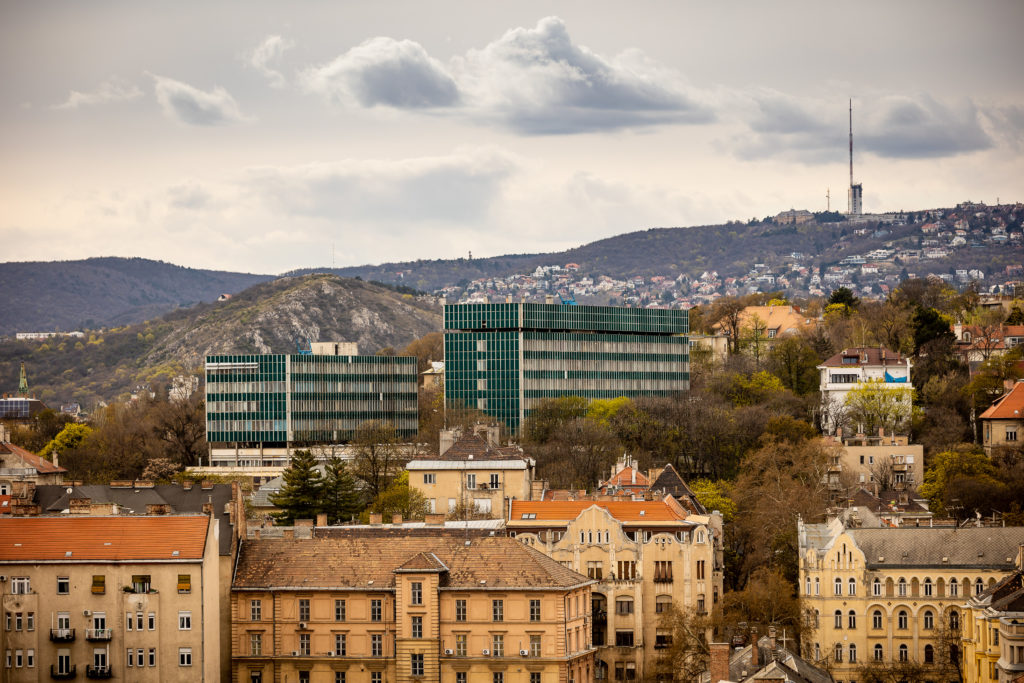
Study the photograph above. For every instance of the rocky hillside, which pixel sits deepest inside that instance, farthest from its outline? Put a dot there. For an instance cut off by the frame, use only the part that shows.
(266, 318)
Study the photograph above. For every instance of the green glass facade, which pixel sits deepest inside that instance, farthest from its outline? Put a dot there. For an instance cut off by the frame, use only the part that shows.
(278, 400)
(505, 358)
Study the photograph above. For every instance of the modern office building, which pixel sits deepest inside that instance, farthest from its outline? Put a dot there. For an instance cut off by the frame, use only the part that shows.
(505, 358)
(259, 408)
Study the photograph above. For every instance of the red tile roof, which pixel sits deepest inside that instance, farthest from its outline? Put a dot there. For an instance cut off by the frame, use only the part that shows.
(624, 477)
(872, 354)
(624, 510)
(103, 538)
(41, 465)
(1009, 407)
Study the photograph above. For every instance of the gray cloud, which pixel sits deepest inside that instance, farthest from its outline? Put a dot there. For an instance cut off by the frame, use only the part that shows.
(268, 53)
(187, 104)
(188, 196)
(111, 90)
(921, 128)
(384, 71)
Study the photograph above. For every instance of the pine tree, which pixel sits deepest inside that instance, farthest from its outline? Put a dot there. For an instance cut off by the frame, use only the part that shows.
(299, 498)
(340, 498)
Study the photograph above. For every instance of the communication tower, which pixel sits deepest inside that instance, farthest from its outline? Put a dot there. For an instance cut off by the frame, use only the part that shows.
(856, 206)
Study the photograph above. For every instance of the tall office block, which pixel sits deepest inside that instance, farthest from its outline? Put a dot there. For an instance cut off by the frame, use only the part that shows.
(505, 358)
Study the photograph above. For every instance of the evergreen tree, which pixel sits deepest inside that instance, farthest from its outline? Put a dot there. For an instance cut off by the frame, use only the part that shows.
(299, 498)
(340, 498)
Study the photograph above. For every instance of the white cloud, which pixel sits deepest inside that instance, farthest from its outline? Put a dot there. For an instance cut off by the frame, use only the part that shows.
(187, 104)
(266, 55)
(111, 90)
(384, 71)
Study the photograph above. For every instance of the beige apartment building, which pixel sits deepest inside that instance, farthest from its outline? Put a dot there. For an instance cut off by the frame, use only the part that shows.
(385, 607)
(131, 598)
(993, 632)
(645, 557)
(882, 462)
(1003, 421)
(895, 595)
(473, 474)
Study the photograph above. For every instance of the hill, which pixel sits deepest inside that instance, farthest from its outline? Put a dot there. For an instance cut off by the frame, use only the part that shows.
(99, 292)
(266, 318)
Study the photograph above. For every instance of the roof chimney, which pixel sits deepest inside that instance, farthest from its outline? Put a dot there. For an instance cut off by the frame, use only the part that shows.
(321, 519)
(755, 655)
(719, 665)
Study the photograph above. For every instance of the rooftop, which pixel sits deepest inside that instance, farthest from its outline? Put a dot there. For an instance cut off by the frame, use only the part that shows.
(77, 539)
(1009, 406)
(40, 465)
(940, 547)
(865, 355)
(624, 511)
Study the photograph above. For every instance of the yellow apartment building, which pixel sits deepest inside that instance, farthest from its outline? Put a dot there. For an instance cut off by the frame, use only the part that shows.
(1003, 421)
(383, 607)
(644, 556)
(889, 462)
(993, 632)
(130, 598)
(895, 595)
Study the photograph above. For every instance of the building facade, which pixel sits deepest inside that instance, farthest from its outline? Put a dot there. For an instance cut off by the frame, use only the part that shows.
(259, 408)
(993, 633)
(888, 462)
(441, 607)
(504, 359)
(1002, 424)
(856, 368)
(645, 557)
(131, 598)
(895, 596)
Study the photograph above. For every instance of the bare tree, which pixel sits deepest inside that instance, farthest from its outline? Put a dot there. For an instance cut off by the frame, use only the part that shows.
(883, 472)
(377, 455)
(688, 655)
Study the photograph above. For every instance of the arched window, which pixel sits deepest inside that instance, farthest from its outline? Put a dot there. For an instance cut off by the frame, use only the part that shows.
(901, 588)
(878, 653)
(954, 620)
(839, 586)
(817, 651)
(901, 619)
(853, 653)
(807, 586)
(876, 587)
(929, 620)
(839, 652)
(928, 587)
(817, 586)
(904, 653)
(954, 588)
(876, 619)
(851, 587)
(838, 619)
(851, 619)
(979, 586)
(929, 654)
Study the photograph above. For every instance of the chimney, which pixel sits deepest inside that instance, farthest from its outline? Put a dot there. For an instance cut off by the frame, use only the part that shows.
(80, 506)
(549, 298)
(321, 519)
(157, 509)
(207, 508)
(719, 665)
(206, 485)
(755, 654)
(288, 534)
(186, 484)
(434, 520)
(376, 519)
(396, 519)
(771, 638)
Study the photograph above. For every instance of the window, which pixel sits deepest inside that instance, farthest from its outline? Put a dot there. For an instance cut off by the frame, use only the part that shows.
(979, 586)
(624, 605)
(901, 619)
(339, 610)
(460, 645)
(929, 620)
(928, 587)
(376, 644)
(839, 652)
(878, 653)
(494, 481)
(954, 620)
(595, 569)
(627, 570)
(303, 676)
(151, 625)
(700, 569)
(417, 627)
(339, 677)
(340, 644)
(376, 613)
(141, 583)
(498, 677)
(21, 585)
(19, 658)
(662, 603)
(139, 655)
(929, 654)
(18, 619)
(497, 610)
(128, 620)
(63, 621)
(131, 657)
(535, 677)
(954, 588)
(460, 610)
(255, 643)
(876, 587)
(184, 583)
(901, 588)
(470, 481)
(1011, 433)
(184, 621)
(817, 586)
(497, 644)
(304, 639)
(807, 585)
(30, 621)
(904, 653)
(184, 656)
(303, 609)
(839, 586)
(534, 645)
(701, 609)
(624, 639)
(416, 664)
(152, 656)
(851, 619)
(430, 478)
(460, 677)
(63, 585)
(662, 640)
(851, 587)
(662, 571)
(416, 590)
(255, 610)
(838, 621)
(534, 610)
(63, 661)
(378, 677)
(853, 653)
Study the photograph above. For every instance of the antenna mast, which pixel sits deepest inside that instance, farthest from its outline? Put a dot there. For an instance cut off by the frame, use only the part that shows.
(851, 156)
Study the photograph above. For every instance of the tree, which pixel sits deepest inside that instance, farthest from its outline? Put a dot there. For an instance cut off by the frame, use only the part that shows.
(299, 497)
(181, 426)
(795, 363)
(72, 436)
(340, 499)
(689, 654)
(874, 404)
(160, 470)
(579, 455)
(429, 347)
(376, 454)
(401, 499)
(548, 417)
(714, 495)
(929, 325)
(757, 388)
(768, 599)
(727, 313)
(955, 466)
(844, 297)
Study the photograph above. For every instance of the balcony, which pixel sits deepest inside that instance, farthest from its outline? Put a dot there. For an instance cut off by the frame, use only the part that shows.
(63, 674)
(98, 634)
(98, 672)
(62, 635)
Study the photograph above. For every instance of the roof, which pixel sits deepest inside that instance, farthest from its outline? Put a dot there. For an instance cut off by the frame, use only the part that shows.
(773, 661)
(422, 562)
(89, 538)
(628, 476)
(671, 483)
(977, 547)
(1009, 406)
(1005, 596)
(40, 465)
(784, 319)
(474, 447)
(5, 505)
(568, 510)
(866, 355)
(367, 564)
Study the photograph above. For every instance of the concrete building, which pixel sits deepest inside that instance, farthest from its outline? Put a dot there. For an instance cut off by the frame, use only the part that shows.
(645, 557)
(260, 408)
(855, 368)
(993, 632)
(1003, 421)
(379, 607)
(877, 462)
(892, 596)
(132, 598)
(504, 359)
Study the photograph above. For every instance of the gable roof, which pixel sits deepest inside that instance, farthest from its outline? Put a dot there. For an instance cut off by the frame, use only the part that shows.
(771, 662)
(568, 510)
(474, 447)
(625, 477)
(671, 483)
(40, 465)
(1009, 406)
(102, 538)
(866, 355)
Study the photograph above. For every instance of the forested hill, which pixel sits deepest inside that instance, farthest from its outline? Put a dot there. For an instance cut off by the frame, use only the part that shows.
(98, 292)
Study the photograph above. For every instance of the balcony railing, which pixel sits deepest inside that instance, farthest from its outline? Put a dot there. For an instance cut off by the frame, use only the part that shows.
(98, 672)
(62, 635)
(63, 674)
(99, 634)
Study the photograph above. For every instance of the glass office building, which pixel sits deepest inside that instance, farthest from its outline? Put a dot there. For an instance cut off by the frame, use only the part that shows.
(505, 358)
(280, 400)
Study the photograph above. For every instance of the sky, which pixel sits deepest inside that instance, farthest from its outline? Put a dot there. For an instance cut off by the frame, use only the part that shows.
(264, 136)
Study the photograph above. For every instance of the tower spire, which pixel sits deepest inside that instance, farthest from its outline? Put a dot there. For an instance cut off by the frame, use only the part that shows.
(23, 382)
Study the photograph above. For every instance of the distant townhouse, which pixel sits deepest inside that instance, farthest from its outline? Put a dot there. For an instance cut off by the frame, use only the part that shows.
(1003, 421)
(855, 367)
(19, 465)
(886, 462)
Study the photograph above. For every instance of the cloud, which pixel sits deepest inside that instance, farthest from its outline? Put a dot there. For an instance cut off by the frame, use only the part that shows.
(384, 71)
(187, 104)
(921, 128)
(111, 90)
(188, 196)
(266, 54)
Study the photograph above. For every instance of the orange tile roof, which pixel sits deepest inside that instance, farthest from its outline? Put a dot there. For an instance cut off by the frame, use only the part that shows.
(1009, 407)
(624, 477)
(624, 510)
(41, 465)
(102, 538)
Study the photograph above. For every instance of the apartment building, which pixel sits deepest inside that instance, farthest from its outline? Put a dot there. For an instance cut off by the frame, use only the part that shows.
(993, 632)
(133, 598)
(895, 595)
(884, 462)
(852, 368)
(376, 608)
(19, 465)
(1003, 421)
(644, 555)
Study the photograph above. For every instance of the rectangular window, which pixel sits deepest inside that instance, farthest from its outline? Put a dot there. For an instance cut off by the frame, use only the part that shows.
(339, 610)
(460, 677)
(376, 613)
(534, 677)
(417, 627)
(340, 644)
(18, 621)
(663, 571)
(627, 570)
(184, 656)
(376, 677)
(595, 569)
(184, 621)
(141, 583)
(1011, 434)
(255, 610)
(430, 478)
(128, 620)
(304, 639)
(534, 645)
(19, 657)
(21, 585)
(497, 610)
(30, 658)
(624, 606)
(624, 639)
(497, 677)
(184, 583)
(470, 481)
(152, 656)
(700, 569)
(140, 654)
(416, 664)
(255, 643)
(151, 625)
(534, 610)
(460, 645)
(497, 645)
(30, 621)
(131, 657)
(416, 591)
(63, 585)
(303, 609)
(494, 481)
(376, 645)
(460, 610)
